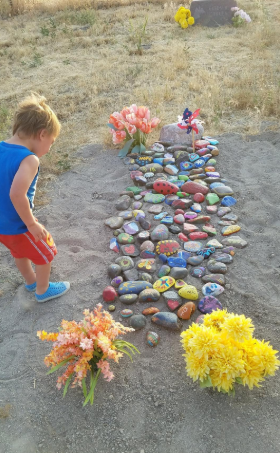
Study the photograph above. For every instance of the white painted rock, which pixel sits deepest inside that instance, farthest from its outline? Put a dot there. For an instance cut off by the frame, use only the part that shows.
(173, 134)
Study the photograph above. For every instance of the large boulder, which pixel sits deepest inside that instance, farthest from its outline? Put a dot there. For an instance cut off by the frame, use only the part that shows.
(173, 134)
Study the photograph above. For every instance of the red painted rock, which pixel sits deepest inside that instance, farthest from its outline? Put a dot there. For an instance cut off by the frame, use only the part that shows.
(188, 228)
(165, 187)
(198, 235)
(180, 219)
(135, 173)
(181, 203)
(201, 144)
(201, 219)
(167, 247)
(202, 151)
(150, 311)
(183, 237)
(186, 310)
(198, 197)
(194, 187)
(109, 294)
(179, 211)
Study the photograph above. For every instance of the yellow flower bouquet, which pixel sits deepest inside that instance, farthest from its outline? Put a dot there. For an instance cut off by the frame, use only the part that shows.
(183, 17)
(221, 352)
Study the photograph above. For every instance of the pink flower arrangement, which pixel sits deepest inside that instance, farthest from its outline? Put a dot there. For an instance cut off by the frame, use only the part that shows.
(240, 14)
(85, 348)
(132, 125)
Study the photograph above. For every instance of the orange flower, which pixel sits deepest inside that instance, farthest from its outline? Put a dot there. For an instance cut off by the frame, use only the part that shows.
(117, 120)
(118, 137)
(155, 121)
(143, 112)
(130, 128)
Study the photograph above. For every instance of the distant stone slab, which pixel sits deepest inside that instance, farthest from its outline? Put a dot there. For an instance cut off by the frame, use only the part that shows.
(212, 13)
(173, 134)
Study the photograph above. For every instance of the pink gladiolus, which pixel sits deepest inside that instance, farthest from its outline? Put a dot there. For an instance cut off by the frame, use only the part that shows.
(155, 121)
(130, 128)
(86, 343)
(118, 136)
(104, 366)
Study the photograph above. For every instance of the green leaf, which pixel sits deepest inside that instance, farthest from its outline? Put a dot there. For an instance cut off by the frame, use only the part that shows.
(112, 126)
(238, 380)
(231, 392)
(206, 383)
(52, 370)
(123, 152)
(67, 384)
(90, 396)
(142, 147)
(84, 387)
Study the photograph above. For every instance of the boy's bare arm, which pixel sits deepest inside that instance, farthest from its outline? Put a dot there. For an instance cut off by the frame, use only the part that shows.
(21, 183)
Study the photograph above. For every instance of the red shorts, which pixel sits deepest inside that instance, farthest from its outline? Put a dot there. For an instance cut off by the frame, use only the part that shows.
(24, 246)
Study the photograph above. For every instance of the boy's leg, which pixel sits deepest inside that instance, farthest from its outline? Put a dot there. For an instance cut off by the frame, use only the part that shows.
(26, 270)
(42, 277)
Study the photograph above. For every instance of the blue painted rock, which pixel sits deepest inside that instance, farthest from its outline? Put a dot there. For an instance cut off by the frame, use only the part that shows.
(129, 250)
(214, 174)
(182, 203)
(184, 166)
(125, 262)
(199, 163)
(116, 281)
(198, 272)
(147, 254)
(167, 320)
(164, 270)
(152, 338)
(114, 270)
(160, 233)
(200, 219)
(163, 258)
(183, 254)
(214, 278)
(114, 222)
(126, 313)
(155, 208)
(133, 287)
(169, 199)
(179, 218)
(125, 238)
(149, 295)
(138, 322)
(228, 201)
(143, 160)
(195, 260)
(215, 267)
(136, 205)
(186, 310)
(158, 160)
(216, 184)
(212, 289)
(167, 220)
(193, 187)
(114, 245)
(179, 284)
(149, 175)
(171, 169)
(165, 187)
(231, 217)
(167, 247)
(131, 228)
(212, 209)
(154, 198)
(230, 250)
(109, 294)
(193, 157)
(138, 213)
(172, 299)
(196, 207)
(176, 262)
(188, 292)
(209, 229)
(161, 215)
(209, 304)
(193, 246)
(198, 235)
(147, 265)
(163, 283)
(235, 241)
(206, 252)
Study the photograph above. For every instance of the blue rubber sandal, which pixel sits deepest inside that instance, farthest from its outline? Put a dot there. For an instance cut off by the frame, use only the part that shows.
(54, 290)
(31, 288)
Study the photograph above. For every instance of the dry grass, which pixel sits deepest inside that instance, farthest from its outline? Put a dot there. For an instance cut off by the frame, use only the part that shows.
(91, 61)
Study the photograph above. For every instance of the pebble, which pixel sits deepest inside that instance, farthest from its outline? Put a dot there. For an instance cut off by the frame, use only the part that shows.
(133, 287)
(212, 289)
(189, 228)
(229, 250)
(231, 217)
(198, 272)
(146, 277)
(111, 308)
(157, 147)
(178, 272)
(195, 260)
(147, 245)
(175, 229)
(126, 215)
(130, 250)
(179, 218)
(152, 340)
(125, 262)
(155, 209)
(146, 265)
(167, 247)
(227, 230)
(125, 238)
(196, 207)
(165, 187)
(123, 203)
(109, 294)
(170, 198)
(184, 166)
(147, 254)
(160, 233)
(128, 299)
(206, 252)
(223, 258)
(223, 191)
(212, 198)
(179, 284)
(161, 215)
(235, 241)
(200, 319)
(116, 281)
(114, 245)
(172, 299)
(190, 215)
(167, 220)
(131, 228)
(183, 237)
(126, 313)
(216, 267)
(171, 169)
(114, 270)
(154, 198)
(164, 283)
(176, 262)
(114, 222)
(209, 304)
(149, 295)
(186, 310)
(143, 236)
(214, 243)
(214, 278)
(188, 292)
(138, 322)
(209, 229)
(228, 201)
(193, 188)
(198, 235)
(164, 270)
(150, 311)
(193, 246)
(167, 320)
(134, 189)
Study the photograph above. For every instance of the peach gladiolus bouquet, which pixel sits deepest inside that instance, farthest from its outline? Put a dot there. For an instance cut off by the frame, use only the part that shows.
(85, 348)
(132, 125)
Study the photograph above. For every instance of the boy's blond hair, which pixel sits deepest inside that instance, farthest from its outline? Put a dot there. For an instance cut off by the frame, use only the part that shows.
(33, 115)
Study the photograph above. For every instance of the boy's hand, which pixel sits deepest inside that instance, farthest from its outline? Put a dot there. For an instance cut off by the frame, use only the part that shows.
(38, 231)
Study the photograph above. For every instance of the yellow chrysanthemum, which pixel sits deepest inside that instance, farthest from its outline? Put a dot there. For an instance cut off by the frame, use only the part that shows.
(238, 327)
(188, 13)
(266, 355)
(191, 20)
(215, 319)
(183, 23)
(189, 333)
(197, 368)
(180, 14)
(226, 366)
(204, 342)
(222, 382)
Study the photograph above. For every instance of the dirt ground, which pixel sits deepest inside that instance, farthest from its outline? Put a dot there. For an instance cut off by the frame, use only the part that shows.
(151, 406)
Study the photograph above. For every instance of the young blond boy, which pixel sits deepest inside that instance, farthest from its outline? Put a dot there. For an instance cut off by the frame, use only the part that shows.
(34, 131)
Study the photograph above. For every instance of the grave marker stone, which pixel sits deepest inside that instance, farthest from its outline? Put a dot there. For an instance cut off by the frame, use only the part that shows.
(212, 13)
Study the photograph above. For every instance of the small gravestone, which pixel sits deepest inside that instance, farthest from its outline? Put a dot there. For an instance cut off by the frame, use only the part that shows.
(212, 13)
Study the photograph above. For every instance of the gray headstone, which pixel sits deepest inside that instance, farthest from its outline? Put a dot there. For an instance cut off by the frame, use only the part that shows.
(212, 13)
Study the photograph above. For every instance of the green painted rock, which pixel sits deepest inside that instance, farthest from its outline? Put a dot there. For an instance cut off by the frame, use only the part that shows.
(212, 198)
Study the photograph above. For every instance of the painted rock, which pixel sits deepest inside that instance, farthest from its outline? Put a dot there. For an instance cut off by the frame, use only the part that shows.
(212, 209)
(198, 197)
(160, 233)
(231, 217)
(206, 252)
(209, 229)
(126, 215)
(209, 304)
(192, 246)
(178, 273)
(152, 338)
(223, 191)
(143, 160)
(149, 175)
(230, 250)
(158, 160)
(164, 270)
(165, 187)
(129, 299)
(155, 209)
(150, 311)
(185, 166)
(143, 236)
(154, 198)
(181, 204)
(193, 188)
(188, 292)
(223, 211)
(202, 151)
(149, 295)
(136, 205)
(189, 228)
(195, 260)
(138, 213)
(228, 201)
(227, 230)
(114, 245)
(111, 308)
(176, 262)
(198, 235)
(114, 222)
(163, 258)
(201, 219)
(130, 250)
(179, 218)
(114, 270)
(214, 278)
(174, 229)
(171, 169)
(147, 254)
(147, 245)
(125, 262)
(116, 281)
(214, 243)
(146, 277)
(200, 319)
(172, 299)
(153, 167)
(131, 228)
(201, 144)
(161, 215)
(134, 189)
(144, 223)
(138, 322)
(212, 198)
(170, 198)
(183, 254)
(198, 272)
(133, 287)
(126, 313)
(190, 215)
(179, 284)
(183, 237)
(164, 283)
(167, 220)
(146, 265)
(125, 238)
(167, 247)
(167, 320)
(235, 241)
(123, 203)
(196, 207)
(109, 294)
(186, 310)
(193, 157)
(212, 289)
(223, 258)
(199, 163)
(213, 174)
(157, 147)
(216, 267)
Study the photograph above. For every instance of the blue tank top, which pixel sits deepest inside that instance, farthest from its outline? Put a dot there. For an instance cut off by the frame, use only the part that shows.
(11, 157)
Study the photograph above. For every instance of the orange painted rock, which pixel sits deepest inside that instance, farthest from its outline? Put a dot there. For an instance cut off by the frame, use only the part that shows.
(165, 187)
(186, 310)
(150, 311)
(194, 187)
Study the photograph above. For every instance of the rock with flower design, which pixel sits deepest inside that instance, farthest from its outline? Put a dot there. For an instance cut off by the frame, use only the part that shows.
(164, 283)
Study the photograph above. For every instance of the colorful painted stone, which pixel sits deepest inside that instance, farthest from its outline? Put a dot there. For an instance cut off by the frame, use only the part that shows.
(160, 233)
(183, 237)
(143, 160)
(126, 313)
(226, 222)
(190, 215)
(201, 152)
(201, 144)
(133, 175)
(214, 278)
(143, 236)
(179, 284)
(182, 203)
(188, 292)
(164, 270)
(200, 219)
(167, 247)
(116, 281)
(152, 339)
(170, 198)
(212, 198)
(193, 246)
(129, 299)
(158, 160)
(150, 311)
(216, 267)
(206, 252)
(131, 228)
(133, 287)
(149, 175)
(230, 250)
(155, 209)
(114, 245)
(209, 304)
(172, 299)
(198, 236)
(171, 169)
(184, 166)
(134, 189)
(223, 258)
(228, 201)
(231, 217)
(227, 230)
(138, 322)
(212, 209)
(198, 272)
(129, 250)
(167, 320)
(109, 294)
(193, 188)
(195, 260)
(179, 219)
(157, 147)
(196, 207)
(223, 191)
(209, 229)
(114, 222)
(125, 238)
(147, 254)
(235, 241)
(136, 205)
(212, 289)
(186, 310)
(189, 228)
(154, 198)
(164, 283)
(149, 295)
(167, 220)
(163, 258)
(165, 187)
(147, 265)
(214, 243)
(176, 262)
(161, 215)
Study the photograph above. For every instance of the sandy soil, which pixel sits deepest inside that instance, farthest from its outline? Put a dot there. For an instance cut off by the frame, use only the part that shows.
(151, 406)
